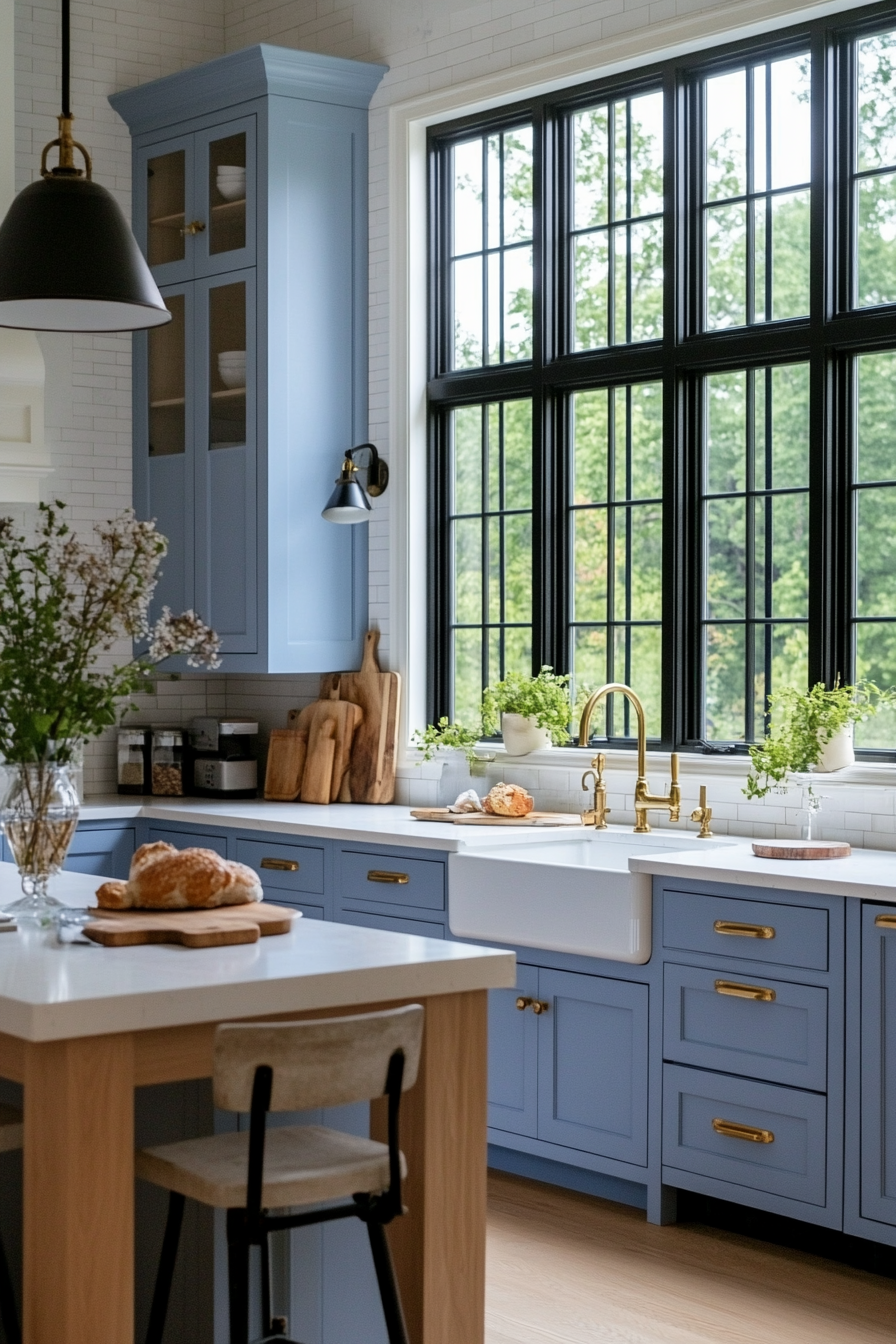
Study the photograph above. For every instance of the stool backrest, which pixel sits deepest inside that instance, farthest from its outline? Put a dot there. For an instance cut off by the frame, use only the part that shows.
(330, 1062)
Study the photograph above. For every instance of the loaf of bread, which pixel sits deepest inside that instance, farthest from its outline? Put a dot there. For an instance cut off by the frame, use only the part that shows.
(165, 878)
(508, 800)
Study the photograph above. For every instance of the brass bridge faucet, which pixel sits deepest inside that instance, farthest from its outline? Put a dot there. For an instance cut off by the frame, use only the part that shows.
(644, 799)
(596, 815)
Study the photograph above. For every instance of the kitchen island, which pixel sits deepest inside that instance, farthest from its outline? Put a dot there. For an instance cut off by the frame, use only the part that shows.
(81, 1027)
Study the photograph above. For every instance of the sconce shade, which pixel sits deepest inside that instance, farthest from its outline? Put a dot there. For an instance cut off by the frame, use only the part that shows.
(348, 502)
(69, 262)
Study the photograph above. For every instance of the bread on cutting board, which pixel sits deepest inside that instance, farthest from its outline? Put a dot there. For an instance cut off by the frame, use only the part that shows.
(165, 878)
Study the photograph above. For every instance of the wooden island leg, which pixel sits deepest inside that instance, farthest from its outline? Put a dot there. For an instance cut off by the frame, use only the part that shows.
(78, 1235)
(439, 1246)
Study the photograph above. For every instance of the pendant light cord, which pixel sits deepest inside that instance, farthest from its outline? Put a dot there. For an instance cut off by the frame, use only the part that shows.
(66, 58)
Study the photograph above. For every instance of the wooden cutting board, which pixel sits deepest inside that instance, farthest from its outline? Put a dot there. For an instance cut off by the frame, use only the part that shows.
(486, 819)
(286, 763)
(328, 768)
(190, 928)
(372, 769)
(801, 849)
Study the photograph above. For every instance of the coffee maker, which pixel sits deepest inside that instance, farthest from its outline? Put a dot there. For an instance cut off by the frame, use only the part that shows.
(224, 765)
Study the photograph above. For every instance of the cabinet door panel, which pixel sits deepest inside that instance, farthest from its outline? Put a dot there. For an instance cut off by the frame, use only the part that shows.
(225, 200)
(164, 205)
(103, 853)
(391, 923)
(225, 536)
(878, 1141)
(513, 1056)
(592, 1065)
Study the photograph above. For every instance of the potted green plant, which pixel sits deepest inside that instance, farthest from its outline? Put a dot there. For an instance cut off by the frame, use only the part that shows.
(447, 736)
(811, 731)
(534, 712)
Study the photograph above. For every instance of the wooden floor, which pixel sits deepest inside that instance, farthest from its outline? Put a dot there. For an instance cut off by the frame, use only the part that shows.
(568, 1269)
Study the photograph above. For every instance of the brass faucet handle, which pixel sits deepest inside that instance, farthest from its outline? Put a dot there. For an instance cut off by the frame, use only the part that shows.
(674, 759)
(703, 814)
(598, 764)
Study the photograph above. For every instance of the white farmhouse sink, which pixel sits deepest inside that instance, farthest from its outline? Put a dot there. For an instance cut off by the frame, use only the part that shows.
(566, 893)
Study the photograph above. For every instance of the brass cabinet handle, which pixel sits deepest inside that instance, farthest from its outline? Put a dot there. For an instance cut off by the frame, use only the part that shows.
(540, 1006)
(524, 1002)
(745, 991)
(739, 930)
(196, 226)
(885, 921)
(380, 875)
(732, 1129)
(280, 865)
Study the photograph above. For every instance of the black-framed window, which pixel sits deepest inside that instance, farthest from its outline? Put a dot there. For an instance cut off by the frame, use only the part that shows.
(683, 279)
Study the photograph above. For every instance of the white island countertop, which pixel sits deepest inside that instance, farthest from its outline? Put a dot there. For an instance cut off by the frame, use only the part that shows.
(869, 874)
(54, 993)
(386, 824)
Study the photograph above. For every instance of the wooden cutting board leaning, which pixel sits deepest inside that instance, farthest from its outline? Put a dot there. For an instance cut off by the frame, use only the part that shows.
(191, 928)
(310, 758)
(371, 776)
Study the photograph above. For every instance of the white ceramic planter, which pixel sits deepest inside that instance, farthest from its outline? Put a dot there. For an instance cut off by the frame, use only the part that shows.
(837, 753)
(522, 735)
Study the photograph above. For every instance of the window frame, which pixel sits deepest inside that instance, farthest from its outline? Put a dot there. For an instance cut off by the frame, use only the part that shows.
(827, 339)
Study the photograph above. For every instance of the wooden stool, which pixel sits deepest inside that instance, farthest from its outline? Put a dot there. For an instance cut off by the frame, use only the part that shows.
(292, 1066)
(11, 1134)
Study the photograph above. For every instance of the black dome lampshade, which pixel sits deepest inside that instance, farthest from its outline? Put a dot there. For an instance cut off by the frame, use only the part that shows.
(68, 260)
(349, 502)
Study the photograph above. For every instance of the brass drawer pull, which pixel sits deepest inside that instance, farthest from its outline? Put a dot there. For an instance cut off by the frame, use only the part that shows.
(738, 930)
(732, 1129)
(745, 991)
(885, 921)
(524, 1002)
(380, 875)
(280, 865)
(540, 1006)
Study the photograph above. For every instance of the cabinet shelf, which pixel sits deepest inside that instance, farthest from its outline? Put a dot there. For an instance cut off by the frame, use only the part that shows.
(168, 221)
(230, 394)
(167, 401)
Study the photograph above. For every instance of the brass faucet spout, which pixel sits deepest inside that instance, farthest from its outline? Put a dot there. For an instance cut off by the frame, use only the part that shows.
(644, 799)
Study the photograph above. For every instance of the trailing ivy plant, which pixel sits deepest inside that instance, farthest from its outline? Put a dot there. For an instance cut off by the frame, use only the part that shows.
(803, 722)
(544, 698)
(447, 736)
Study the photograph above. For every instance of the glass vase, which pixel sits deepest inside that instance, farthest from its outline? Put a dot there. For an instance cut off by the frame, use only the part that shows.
(39, 815)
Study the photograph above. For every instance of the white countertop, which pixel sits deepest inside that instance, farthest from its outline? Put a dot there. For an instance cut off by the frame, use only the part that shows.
(867, 873)
(386, 824)
(55, 993)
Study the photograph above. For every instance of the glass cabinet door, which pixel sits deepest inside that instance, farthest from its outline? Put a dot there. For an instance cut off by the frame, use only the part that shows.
(227, 365)
(168, 382)
(163, 200)
(225, 165)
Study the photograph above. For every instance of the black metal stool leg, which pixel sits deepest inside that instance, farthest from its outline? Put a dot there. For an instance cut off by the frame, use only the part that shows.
(162, 1293)
(9, 1314)
(238, 1275)
(385, 1277)
(267, 1327)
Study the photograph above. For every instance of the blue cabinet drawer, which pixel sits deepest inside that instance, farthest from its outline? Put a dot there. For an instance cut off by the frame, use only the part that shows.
(190, 840)
(392, 923)
(761, 1028)
(399, 881)
(103, 853)
(708, 1120)
(781, 935)
(284, 867)
(308, 911)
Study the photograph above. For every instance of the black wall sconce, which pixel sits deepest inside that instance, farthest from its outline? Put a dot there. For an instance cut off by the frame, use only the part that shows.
(350, 502)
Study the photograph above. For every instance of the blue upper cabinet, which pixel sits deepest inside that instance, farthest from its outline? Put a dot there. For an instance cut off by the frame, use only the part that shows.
(250, 202)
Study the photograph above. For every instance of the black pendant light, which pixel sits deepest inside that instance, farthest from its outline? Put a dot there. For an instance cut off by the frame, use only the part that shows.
(349, 502)
(68, 260)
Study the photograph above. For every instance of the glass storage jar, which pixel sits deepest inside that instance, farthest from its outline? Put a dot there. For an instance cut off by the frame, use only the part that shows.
(167, 762)
(132, 757)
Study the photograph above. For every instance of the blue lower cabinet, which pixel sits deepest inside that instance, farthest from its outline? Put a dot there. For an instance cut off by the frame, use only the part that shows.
(745, 1134)
(592, 1065)
(189, 840)
(878, 1085)
(103, 852)
(284, 869)
(513, 1056)
(392, 923)
(394, 879)
(733, 926)
(758, 1027)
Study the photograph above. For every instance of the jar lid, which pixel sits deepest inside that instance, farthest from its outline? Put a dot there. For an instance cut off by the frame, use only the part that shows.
(131, 737)
(167, 737)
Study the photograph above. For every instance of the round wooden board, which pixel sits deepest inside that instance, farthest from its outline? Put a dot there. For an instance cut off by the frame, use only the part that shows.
(801, 849)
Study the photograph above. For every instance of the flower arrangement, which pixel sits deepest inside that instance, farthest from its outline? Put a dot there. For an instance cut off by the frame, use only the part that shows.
(65, 602)
(803, 722)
